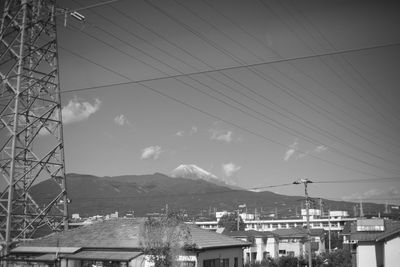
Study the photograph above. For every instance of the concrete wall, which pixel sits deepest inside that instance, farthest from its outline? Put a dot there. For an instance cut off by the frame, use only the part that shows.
(392, 252)
(272, 247)
(228, 253)
(289, 245)
(261, 249)
(366, 255)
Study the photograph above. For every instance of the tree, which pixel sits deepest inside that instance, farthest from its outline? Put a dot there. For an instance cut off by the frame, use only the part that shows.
(336, 240)
(162, 239)
(229, 222)
(339, 257)
(287, 261)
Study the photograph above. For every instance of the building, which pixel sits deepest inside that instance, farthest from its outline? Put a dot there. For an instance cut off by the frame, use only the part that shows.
(264, 245)
(375, 242)
(293, 242)
(331, 223)
(116, 243)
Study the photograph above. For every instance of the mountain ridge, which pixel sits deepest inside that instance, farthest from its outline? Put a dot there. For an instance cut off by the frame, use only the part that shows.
(91, 195)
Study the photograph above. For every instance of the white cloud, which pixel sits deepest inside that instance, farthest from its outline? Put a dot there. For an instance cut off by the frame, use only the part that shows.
(151, 152)
(291, 150)
(230, 169)
(180, 133)
(193, 130)
(221, 135)
(76, 111)
(121, 120)
(320, 149)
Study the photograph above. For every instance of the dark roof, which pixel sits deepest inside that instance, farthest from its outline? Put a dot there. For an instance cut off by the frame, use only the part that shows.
(392, 228)
(250, 233)
(205, 239)
(123, 233)
(297, 232)
(104, 255)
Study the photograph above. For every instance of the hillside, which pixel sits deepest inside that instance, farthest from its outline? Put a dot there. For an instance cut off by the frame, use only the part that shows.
(91, 195)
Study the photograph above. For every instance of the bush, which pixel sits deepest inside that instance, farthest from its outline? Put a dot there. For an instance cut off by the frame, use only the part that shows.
(340, 257)
(287, 261)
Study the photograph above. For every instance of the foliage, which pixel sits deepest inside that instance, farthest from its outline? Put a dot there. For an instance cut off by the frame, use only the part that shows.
(162, 239)
(287, 261)
(336, 240)
(339, 257)
(229, 222)
(251, 239)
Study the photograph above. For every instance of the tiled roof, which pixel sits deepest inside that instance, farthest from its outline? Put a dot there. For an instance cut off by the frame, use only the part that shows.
(123, 233)
(250, 233)
(297, 232)
(205, 239)
(391, 228)
(104, 255)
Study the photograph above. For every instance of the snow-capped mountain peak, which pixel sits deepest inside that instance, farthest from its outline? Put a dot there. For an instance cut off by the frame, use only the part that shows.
(192, 172)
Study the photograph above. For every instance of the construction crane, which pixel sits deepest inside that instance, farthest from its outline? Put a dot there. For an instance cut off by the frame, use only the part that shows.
(31, 128)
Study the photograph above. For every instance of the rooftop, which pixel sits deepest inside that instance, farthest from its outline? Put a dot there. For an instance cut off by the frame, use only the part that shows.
(391, 228)
(250, 233)
(121, 233)
(297, 232)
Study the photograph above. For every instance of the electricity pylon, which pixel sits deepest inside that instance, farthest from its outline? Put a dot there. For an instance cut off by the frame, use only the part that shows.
(31, 129)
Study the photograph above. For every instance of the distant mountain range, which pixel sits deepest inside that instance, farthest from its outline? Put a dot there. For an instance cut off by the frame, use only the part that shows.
(91, 195)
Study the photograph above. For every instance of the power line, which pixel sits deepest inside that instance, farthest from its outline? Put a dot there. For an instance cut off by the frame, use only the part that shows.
(298, 69)
(373, 90)
(374, 180)
(344, 51)
(93, 25)
(322, 60)
(210, 113)
(114, 47)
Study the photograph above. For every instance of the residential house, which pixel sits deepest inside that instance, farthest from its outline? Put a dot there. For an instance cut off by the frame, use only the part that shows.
(375, 242)
(293, 242)
(115, 243)
(264, 245)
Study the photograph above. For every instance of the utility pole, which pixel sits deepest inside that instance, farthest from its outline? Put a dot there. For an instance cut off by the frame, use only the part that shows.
(329, 229)
(306, 182)
(237, 221)
(31, 128)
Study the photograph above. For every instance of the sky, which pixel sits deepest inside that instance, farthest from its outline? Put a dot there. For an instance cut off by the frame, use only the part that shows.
(259, 93)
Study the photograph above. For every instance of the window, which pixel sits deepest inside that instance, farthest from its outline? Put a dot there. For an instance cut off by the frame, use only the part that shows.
(282, 251)
(216, 263)
(236, 262)
(253, 256)
(89, 263)
(290, 253)
(186, 264)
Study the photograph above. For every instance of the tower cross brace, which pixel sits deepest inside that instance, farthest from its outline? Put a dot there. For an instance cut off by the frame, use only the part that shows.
(31, 128)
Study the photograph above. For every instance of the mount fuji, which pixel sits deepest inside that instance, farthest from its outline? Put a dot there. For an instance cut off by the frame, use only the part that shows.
(194, 172)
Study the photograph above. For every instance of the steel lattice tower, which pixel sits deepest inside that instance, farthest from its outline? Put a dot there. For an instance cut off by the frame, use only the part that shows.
(31, 129)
